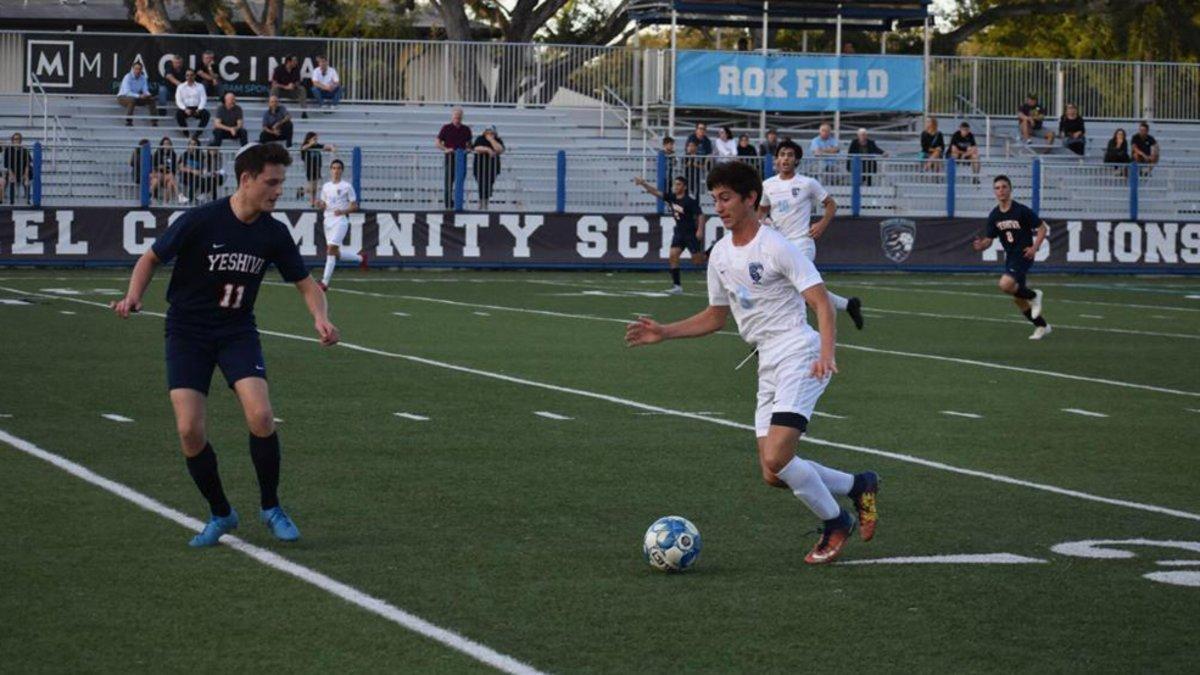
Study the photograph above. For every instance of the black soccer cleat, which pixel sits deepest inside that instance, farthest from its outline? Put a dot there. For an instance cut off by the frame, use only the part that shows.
(854, 309)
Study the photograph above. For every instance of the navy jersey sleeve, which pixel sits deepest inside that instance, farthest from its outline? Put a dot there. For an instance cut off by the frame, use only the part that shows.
(167, 246)
(694, 207)
(992, 230)
(287, 258)
(1030, 220)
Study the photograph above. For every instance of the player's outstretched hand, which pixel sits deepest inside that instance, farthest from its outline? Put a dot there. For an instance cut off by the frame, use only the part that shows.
(823, 367)
(1030, 252)
(980, 243)
(125, 306)
(328, 332)
(644, 331)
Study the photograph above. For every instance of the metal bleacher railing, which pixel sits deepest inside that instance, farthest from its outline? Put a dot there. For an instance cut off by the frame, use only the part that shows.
(569, 182)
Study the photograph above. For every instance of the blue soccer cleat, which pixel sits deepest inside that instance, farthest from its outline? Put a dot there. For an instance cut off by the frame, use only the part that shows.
(217, 526)
(280, 525)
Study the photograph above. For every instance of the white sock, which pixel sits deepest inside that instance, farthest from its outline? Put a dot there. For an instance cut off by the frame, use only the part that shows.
(343, 254)
(839, 303)
(838, 482)
(330, 263)
(806, 484)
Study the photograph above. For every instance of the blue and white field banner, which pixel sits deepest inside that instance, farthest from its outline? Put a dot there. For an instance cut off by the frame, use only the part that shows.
(799, 83)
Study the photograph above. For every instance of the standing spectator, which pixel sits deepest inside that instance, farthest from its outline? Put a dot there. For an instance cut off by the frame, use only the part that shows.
(668, 150)
(1030, 118)
(208, 76)
(694, 168)
(1071, 128)
(276, 124)
(487, 149)
(963, 146)
(285, 83)
(135, 161)
(704, 144)
(767, 147)
(824, 144)
(189, 102)
(214, 174)
(726, 146)
(326, 84)
(864, 145)
(1117, 152)
(192, 169)
(744, 148)
(933, 146)
(230, 122)
(134, 92)
(17, 170)
(1145, 148)
(310, 152)
(162, 173)
(453, 136)
(173, 76)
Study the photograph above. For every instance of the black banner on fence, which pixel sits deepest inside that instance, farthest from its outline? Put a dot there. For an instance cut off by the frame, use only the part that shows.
(83, 63)
(526, 240)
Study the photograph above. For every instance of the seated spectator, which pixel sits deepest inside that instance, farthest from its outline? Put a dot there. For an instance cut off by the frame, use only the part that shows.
(134, 92)
(726, 146)
(963, 146)
(1030, 118)
(824, 144)
(695, 167)
(1117, 153)
(327, 87)
(162, 173)
(192, 169)
(767, 147)
(285, 83)
(207, 75)
(310, 152)
(1071, 128)
(173, 76)
(744, 149)
(704, 144)
(864, 145)
(189, 103)
(933, 146)
(276, 124)
(17, 171)
(135, 160)
(230, 122)
(487, 149)
(1144, 147)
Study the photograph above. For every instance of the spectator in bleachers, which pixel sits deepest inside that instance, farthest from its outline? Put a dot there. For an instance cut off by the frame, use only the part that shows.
(933, 146)
(276, 124)
(135, 160)
(863, 144)
(487, 149)
(135, 92)
(1072, 130)
(162, 172)
(744, 148)
(1117, 152)
(963, 146)
(192, 169)
(190, 100)
(824, 144)
(310, 152)
(453, 136)
(173, 76)
(767, 147)
(1145, 147)
(285, 83)
(694, 167)
(1030, 118)
(327, 87)
(207, 75)
(231, 122)
(726, 146)
(668, 149)
(17, 171)
(704, 144)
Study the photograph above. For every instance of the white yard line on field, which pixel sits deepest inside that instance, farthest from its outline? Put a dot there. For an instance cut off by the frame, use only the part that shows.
(955, 413)
(1085, 413)
(117, 418)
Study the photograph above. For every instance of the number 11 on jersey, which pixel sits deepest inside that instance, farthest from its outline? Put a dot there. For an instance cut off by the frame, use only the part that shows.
(228, 299)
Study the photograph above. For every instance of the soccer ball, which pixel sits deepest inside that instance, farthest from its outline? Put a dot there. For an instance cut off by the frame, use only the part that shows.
(672, 544)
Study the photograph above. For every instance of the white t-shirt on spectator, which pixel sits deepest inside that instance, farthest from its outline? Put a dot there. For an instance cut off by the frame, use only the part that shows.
(725, 148)
(328, 78)
(190, 96)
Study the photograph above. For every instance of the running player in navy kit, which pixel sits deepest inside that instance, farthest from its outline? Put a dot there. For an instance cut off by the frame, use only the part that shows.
(221, 252)
(689, 226)
(1021, 233)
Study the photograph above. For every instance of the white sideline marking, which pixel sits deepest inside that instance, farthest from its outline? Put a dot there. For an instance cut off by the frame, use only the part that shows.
(999, 296)
(413, 417)
(66, 312)
(117, 418)
(401, 314)
(61, 291)
(962, 414)
(900, 457)
(818, 413)
(15, 303)
(1090, 316)
(1195, 410)
(699, 412)
(275, 561)
(278, 421)
(991, 319)
(551, 416)
(5, 416)
(481, 314)
(1086, 413)
(962, 559)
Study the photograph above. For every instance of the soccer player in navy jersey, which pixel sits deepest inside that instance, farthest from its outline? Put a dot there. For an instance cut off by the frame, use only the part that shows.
(1021, 233)
(221, 252)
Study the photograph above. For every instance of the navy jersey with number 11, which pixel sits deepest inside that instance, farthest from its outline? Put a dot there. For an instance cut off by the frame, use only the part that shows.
(219, 265)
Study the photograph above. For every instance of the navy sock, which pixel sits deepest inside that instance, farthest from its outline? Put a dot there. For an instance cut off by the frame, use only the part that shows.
(839, 522)
(264, 452)
(860, 484)
(203, 468)
(675, 276)
(1040, 321)
(1025, 293)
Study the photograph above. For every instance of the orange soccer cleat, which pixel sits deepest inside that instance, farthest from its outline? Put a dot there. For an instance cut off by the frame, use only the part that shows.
(833, 538)
(864, 501)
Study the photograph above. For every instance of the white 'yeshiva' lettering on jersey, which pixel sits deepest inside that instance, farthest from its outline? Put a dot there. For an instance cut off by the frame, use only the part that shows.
(792, 203)
(762, 283)
(337, 197)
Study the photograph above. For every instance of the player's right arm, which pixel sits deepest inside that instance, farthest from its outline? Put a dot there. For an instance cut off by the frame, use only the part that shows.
(647, 331)
(143, 272)
(645, 185)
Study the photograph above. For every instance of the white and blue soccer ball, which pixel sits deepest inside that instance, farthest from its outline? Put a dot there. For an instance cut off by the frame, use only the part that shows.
(672, 544)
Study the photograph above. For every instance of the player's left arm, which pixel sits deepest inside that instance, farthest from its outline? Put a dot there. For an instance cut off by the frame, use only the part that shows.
(818, 298)
(349, 209)
(701, 219)
(1043, 231)
(818, 228)
(314, 297)
(143, 272)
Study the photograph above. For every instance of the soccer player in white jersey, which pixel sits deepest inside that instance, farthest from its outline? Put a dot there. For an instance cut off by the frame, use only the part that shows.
(789, 199)
(338, 200)
(766, 281)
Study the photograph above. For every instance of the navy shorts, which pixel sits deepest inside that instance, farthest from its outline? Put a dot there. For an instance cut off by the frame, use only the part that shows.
(191, 359)
(1017, 266)
(687, 240)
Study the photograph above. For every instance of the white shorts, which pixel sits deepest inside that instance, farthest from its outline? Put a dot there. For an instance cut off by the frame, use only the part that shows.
(808, 247)
(335, 231)
(787, 386)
